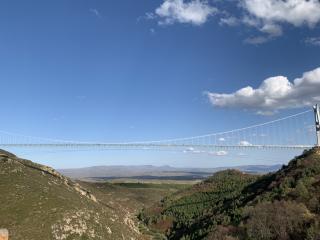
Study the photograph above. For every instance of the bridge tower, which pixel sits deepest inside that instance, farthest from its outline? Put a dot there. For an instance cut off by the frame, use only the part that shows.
(317, 122)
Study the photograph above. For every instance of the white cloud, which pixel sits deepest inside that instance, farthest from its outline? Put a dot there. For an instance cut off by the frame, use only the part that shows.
(219, 153)
(195, 12)
(95, 12)
(190, 149)
(295, 12)
(245, 143)
(251, 21)
(197, 151)
(271, 29)
(313, 41)
(193, 150)
(222, 139)
(257, 40)
(269, 15)
(150, 15)
(273, 94)
(229, 21)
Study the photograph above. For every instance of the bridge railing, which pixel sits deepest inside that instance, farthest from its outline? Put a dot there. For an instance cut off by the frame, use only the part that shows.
(296, 131)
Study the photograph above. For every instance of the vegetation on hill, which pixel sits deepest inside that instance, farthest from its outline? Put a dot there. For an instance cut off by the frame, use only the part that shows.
(233, 205)
(131, 196)
(42, 204)
(38, 203)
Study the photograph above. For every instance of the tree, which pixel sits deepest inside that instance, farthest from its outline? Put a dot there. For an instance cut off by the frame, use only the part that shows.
(281, 220)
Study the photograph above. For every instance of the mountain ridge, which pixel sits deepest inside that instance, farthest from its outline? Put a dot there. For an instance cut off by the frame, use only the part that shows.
(235, 205)
(40, 203)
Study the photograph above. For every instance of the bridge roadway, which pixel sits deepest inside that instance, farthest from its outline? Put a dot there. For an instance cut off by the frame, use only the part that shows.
(145, 146)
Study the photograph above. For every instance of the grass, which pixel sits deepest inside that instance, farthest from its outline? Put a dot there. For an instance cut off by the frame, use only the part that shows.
(166, 186)
(38, 205)
(133, 195)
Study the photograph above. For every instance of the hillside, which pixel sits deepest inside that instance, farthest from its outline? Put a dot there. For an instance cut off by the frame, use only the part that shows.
(38, 203)
(149, 172)
(235, 205)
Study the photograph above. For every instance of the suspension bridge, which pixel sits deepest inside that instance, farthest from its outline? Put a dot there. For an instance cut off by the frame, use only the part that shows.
(297, 131)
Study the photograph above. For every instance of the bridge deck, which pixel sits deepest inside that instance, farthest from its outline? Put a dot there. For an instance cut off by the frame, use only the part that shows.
(145, 146)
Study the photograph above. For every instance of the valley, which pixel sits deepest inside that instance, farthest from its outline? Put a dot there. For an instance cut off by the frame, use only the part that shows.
(41, 203)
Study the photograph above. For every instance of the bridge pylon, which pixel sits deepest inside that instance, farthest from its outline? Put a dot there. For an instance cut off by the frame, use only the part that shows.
(317, 122)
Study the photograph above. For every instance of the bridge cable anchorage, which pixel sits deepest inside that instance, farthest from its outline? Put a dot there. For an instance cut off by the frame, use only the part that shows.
(292, 132)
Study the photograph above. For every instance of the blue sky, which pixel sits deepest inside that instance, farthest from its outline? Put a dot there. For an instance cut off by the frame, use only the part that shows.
(146, 70)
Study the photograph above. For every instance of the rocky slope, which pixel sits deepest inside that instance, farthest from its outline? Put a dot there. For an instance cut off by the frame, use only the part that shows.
(38, 203)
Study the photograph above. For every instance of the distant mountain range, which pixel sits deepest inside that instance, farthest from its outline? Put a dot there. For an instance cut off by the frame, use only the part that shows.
(158, 172)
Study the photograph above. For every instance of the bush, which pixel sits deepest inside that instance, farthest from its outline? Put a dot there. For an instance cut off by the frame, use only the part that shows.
(279, 220)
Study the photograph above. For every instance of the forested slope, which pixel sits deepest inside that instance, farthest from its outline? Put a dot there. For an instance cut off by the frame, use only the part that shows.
(234, 205)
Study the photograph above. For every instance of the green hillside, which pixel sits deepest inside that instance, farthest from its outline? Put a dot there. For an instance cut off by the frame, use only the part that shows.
(37, 203)
(233, 205)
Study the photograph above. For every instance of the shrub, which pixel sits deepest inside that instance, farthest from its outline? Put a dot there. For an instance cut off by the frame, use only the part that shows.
(279, 220)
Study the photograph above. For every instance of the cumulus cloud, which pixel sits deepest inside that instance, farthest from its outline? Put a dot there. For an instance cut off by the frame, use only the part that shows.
(269, 15)
(195, 12)
(295, 12)
(275, 93)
